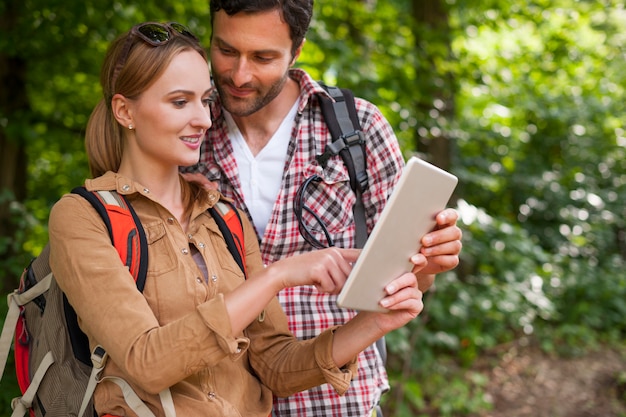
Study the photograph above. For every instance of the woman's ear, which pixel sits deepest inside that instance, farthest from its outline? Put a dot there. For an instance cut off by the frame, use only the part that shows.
(122, 111)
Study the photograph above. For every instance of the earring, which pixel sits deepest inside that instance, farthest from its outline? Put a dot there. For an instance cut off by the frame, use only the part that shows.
(130, 127)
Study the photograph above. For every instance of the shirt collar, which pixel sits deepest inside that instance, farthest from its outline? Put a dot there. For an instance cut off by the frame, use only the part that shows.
(126, 186)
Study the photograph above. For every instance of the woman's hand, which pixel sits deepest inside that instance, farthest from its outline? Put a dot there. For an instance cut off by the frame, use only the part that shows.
(326, 269)
(403, 302)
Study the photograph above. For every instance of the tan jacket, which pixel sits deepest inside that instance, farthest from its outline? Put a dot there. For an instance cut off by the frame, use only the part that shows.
(177, 334)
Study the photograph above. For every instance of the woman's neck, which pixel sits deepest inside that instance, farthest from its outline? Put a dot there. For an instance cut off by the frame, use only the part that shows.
(165, 188)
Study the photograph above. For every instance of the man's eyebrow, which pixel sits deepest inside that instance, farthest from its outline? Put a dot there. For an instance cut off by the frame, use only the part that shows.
(222, 42)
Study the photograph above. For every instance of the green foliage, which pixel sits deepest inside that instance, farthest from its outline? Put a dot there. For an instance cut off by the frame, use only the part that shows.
(539, 146)
(449, 392)
(530, 97)
(540, 131)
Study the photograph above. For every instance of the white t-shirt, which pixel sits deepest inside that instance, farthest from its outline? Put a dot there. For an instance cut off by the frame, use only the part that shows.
(261, 176)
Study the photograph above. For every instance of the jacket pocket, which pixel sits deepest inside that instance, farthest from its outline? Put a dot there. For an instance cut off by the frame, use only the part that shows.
(161, 255)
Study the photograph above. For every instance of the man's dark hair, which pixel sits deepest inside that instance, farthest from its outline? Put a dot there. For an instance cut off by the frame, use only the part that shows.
(296, 13)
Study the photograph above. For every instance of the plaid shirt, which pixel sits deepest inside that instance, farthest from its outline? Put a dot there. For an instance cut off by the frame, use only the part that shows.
(309, 312)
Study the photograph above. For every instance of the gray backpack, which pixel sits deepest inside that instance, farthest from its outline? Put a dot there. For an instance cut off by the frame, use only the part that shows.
(55, 369)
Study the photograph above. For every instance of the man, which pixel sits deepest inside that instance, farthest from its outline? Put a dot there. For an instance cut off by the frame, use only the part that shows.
(267, 130)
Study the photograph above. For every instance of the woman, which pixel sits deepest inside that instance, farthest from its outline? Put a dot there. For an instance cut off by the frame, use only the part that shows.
(200, 335)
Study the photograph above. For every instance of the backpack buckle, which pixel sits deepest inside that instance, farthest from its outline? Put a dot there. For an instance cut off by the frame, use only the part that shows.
(99, 357)
(354, 138)
(362, 179)
(342, 143)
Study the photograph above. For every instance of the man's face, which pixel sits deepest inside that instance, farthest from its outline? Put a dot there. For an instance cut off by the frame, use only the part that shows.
(250, 59)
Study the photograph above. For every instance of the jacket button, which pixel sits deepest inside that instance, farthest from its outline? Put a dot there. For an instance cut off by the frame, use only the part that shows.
(185, 251)
(214, 278)
(211, 396)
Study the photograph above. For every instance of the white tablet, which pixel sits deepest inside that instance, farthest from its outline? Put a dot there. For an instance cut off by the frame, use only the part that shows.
(422, 191)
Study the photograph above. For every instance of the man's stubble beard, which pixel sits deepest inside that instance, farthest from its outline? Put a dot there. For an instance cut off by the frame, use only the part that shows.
(246, 107)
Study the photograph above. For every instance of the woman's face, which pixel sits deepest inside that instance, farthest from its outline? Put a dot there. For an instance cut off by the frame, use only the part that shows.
(171, 117)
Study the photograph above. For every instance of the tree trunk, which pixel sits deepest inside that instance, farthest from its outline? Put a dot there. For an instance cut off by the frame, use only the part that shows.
(431, 19)
(432, 35)
(14, 111)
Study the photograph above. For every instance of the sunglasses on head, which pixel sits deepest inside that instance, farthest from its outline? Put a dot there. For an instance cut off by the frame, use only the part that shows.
(157, 34)
(152, 33)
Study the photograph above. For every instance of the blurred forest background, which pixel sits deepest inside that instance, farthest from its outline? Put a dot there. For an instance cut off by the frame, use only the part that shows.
(523, 100)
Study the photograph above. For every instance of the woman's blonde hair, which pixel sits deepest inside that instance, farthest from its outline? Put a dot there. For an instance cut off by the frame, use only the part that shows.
(130, 66)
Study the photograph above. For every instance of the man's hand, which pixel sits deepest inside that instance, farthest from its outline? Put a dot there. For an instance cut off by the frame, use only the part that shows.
(441, 247)
(200, 179)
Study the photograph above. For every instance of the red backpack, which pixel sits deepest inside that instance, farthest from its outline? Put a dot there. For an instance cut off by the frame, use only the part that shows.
(56, 371)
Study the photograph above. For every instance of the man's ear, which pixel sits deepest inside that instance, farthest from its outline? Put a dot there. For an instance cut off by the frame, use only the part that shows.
(297, 52)
(121, 110)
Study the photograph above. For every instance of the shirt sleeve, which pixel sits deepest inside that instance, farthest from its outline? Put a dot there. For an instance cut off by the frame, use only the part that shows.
(287, 365)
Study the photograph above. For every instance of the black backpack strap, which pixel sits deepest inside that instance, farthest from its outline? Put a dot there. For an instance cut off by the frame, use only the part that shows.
(79, 341)
(348, 142)
(234, 239)
(143, 247)
(99, 206)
